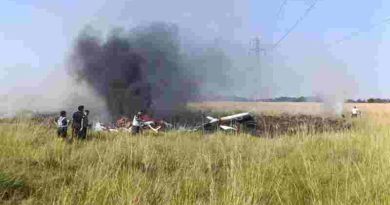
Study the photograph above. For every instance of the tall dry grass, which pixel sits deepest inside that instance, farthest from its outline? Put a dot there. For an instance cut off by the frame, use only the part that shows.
(349, 167)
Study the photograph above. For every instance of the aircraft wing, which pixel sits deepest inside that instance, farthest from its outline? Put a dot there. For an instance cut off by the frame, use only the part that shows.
(224, 127)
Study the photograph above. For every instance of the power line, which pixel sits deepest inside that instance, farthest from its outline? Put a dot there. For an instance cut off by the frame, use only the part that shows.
(307, 11)
(356, 33)
(281, 7)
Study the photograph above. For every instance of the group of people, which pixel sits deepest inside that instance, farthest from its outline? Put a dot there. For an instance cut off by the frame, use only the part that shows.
(79, 124)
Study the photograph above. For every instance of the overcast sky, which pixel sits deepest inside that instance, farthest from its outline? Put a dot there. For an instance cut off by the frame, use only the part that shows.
(36, 37)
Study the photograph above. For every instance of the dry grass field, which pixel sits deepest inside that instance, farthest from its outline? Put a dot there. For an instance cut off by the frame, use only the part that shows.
(345, 167)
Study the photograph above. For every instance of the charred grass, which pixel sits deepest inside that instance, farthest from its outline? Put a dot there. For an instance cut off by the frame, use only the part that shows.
(274, 125)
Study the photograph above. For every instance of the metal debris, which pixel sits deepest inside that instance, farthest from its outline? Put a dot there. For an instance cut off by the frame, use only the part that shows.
(236, 123)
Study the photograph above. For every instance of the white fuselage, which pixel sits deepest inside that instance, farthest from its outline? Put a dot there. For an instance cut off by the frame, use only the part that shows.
(227, 118)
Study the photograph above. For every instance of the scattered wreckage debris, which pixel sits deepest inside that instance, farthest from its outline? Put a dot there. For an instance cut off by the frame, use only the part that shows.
(125, 124)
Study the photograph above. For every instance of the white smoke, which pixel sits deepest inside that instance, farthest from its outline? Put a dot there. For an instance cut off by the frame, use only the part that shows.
(58, 91)
(333, 87)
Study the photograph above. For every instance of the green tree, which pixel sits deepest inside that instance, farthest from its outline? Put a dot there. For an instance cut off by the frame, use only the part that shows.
(301, 99)
(371, 100)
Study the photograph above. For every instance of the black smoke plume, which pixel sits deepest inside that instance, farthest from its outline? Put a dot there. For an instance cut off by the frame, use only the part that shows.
(139, 69)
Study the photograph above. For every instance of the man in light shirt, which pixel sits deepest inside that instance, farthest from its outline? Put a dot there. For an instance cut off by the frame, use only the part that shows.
(62, 125)
(355, 112)
(136, 125)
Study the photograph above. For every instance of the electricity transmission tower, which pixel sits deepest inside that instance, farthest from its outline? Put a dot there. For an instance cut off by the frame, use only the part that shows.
(256, 48)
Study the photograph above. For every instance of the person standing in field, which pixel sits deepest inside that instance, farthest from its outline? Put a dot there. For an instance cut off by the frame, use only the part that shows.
(136, 125)
(62, 125)
(77, 122)
(84, 125)
(355, 112)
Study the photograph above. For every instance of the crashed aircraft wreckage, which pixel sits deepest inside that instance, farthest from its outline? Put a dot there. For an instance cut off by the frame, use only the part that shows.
(236, 123)
(124, 124)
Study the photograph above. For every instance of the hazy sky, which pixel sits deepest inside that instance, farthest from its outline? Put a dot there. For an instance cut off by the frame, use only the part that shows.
(36, 37)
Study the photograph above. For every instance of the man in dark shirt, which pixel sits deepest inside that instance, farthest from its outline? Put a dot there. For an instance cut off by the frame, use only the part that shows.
(84, 125)
(77, 122)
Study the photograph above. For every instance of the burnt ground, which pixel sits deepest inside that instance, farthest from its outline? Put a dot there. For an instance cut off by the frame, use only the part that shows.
(291, 124)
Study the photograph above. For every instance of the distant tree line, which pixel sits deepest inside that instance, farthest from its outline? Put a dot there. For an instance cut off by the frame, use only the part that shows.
(369, 100)
(318, 99)
(289, 99)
